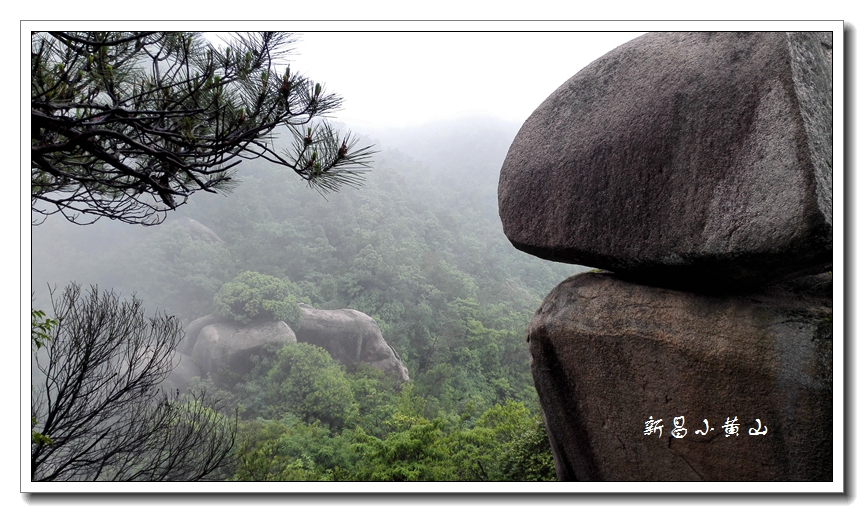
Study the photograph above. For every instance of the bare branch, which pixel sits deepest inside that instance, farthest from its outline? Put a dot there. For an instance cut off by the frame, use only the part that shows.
(101, 405)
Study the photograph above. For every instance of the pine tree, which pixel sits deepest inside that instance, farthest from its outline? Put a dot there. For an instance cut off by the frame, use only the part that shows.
(128, 125)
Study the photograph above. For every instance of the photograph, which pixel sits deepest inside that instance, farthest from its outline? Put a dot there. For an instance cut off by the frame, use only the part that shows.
(419, 257)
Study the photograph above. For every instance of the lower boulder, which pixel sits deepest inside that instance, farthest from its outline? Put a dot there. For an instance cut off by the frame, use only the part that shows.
(640, 383)
(225, 349)
(351, 338)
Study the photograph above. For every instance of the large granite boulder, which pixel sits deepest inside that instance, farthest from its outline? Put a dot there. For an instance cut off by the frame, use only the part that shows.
(191, 332)
(692, 160)
(609, 356)
(351, 338)
(225, 350)
(184, 372)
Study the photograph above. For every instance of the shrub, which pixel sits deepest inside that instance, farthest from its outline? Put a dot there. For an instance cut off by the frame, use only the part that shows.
(306, 382)
(254, 296)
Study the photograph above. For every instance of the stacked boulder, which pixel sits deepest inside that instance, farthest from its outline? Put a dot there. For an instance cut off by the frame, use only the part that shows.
(227, 350)
(696, 170)
(351, 338)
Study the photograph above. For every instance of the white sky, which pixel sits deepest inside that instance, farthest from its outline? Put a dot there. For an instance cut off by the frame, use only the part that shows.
(398, 79)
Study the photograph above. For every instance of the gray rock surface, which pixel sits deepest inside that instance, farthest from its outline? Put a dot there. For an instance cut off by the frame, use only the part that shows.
(351, 338)
(224, 350)
(607, 354)
(183, 374)
(692, 160)
(191, 332)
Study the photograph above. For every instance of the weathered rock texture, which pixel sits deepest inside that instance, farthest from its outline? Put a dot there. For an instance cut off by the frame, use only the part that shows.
(608, 354)
(183, 374)
(685, 159)
(351, 338)
(191, 332)
(224, 350)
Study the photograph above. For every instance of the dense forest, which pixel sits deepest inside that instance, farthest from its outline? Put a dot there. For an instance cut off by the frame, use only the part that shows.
(418, 247)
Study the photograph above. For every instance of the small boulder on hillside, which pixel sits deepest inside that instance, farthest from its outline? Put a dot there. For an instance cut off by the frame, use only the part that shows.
(692, 160)
(225, 349)
(193, 329)
(351, 338)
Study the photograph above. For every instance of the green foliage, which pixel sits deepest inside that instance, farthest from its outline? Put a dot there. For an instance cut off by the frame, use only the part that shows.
(256, 455)
(184, 269)
(525, 454)
(377, 397)
(506, 443)
(305, 381)
(420, 252)
(40, 328)
(253, 296)
(289, 450)
(362, 427)
(528, 457)
(40, 335)
(36, 437)
(413, 451)
(508, 420)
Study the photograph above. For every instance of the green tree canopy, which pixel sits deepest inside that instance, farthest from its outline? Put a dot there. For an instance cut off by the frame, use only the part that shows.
(254, 296)
(306, 382)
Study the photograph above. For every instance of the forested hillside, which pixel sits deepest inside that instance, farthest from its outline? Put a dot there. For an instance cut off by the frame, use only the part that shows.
(418, 247)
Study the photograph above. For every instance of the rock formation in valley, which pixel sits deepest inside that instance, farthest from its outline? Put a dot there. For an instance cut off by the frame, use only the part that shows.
(225, 349)
(351, 338)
